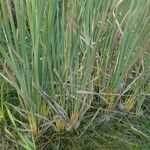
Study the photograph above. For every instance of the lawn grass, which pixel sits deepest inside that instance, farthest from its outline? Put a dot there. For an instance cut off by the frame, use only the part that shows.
(74, 74)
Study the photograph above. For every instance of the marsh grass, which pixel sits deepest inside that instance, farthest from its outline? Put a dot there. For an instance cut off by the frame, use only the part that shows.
(68, 58)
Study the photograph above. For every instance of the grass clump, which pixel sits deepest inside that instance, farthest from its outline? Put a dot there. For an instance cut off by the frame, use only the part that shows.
(70, 63)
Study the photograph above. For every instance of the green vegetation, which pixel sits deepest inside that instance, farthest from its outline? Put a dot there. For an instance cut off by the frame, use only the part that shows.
(74, 74)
